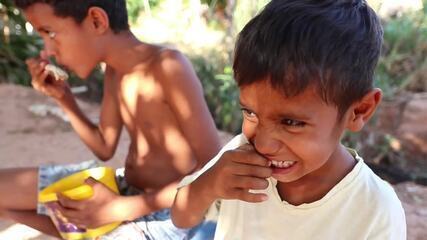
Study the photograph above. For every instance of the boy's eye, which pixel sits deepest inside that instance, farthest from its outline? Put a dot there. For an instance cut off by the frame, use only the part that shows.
(248, 114)
(50, 34)
(293, 123)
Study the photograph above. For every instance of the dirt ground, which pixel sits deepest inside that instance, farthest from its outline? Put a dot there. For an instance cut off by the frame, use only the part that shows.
(32, 132)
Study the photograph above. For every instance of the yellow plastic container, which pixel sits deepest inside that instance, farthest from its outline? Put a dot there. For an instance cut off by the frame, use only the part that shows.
(74, 187)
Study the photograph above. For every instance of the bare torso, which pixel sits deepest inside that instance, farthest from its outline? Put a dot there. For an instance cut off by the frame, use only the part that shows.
(158, 153)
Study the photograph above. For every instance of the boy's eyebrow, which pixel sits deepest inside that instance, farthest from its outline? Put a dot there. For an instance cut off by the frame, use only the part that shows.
(242, 105)
(43, 28)
(287, 114)
(291, 115)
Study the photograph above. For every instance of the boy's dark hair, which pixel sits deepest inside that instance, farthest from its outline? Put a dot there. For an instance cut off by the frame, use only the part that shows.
(333, 45)
(77, 9)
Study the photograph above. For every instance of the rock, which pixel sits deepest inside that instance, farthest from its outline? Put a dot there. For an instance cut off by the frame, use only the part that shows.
(414, 200)
(413, 127)
(401, 130)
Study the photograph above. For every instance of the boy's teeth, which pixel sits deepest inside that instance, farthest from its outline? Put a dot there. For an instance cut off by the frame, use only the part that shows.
(282, 164)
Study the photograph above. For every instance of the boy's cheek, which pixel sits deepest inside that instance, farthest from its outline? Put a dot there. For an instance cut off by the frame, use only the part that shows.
(248, 129)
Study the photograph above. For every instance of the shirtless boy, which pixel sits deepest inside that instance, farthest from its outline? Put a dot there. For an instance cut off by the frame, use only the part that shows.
(151, 91)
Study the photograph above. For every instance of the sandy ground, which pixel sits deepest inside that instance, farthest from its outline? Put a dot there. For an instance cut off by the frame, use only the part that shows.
(27, 138)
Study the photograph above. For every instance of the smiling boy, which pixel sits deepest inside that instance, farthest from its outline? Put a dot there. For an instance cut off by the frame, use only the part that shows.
(305, 72)
(151, 91)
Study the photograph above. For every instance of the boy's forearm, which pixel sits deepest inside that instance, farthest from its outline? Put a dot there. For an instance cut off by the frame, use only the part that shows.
(190, 205)
(87, 131)
(137, 206)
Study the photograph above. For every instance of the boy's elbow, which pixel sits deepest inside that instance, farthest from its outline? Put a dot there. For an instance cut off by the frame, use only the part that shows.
(103, 158)
(181, 220)
(105, 155)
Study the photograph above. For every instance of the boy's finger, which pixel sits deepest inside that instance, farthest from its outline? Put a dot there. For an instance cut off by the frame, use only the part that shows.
(249, 157)
(43, 54)
(252, 170)
(69, 203)
(70, 214)
(91, 181)
(246, 147)
(36, 70)
(81, 225)
(42, 64)
(245, 182)
(32, 65)
(246, 196)
(43, 75)
(77, 221)
(40, 78)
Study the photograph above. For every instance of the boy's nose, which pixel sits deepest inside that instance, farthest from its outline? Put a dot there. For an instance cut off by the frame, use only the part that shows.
(49, 51)
(265, 142)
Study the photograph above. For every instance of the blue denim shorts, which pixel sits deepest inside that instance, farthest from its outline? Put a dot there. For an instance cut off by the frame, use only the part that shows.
(156, 225)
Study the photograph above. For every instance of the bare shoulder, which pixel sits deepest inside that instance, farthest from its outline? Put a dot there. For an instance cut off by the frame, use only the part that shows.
(158, 60)
(167, 53)
(165, 68)
(171, 60)
(158, 56)
(172, 67)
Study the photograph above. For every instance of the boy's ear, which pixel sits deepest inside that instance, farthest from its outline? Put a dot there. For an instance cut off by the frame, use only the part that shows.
(362, 110)
(98, 19)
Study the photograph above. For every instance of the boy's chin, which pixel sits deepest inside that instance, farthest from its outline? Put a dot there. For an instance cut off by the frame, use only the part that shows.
(285, 179)
(82, 74)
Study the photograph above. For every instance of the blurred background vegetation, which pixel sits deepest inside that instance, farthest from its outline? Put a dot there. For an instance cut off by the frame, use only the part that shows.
(206, 30)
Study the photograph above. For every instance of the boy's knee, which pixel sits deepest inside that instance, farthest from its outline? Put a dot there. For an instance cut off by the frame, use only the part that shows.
(3, 212)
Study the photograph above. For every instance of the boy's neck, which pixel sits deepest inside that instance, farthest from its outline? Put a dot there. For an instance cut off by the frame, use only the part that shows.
(316, 185)
(123, 52)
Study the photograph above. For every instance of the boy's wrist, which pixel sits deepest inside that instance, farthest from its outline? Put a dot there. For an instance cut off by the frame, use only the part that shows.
(124, 208)
(129, 208)
(190, 205)
(198, 189)
(65, 99)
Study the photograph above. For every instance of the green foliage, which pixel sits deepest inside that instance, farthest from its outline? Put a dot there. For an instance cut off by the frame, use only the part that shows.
(16, 45)
(12, 58)
(217, 4)
(136, 6)
(220, 91)
(404, 51)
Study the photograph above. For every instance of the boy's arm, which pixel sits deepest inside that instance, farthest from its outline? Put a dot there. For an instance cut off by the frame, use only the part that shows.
(191, 204)
(102, 139)
(390, 218)
(185, 96)
(232, 177)
(107, 207)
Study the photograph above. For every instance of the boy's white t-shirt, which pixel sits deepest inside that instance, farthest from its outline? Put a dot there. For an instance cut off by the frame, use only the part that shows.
(360, 206)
